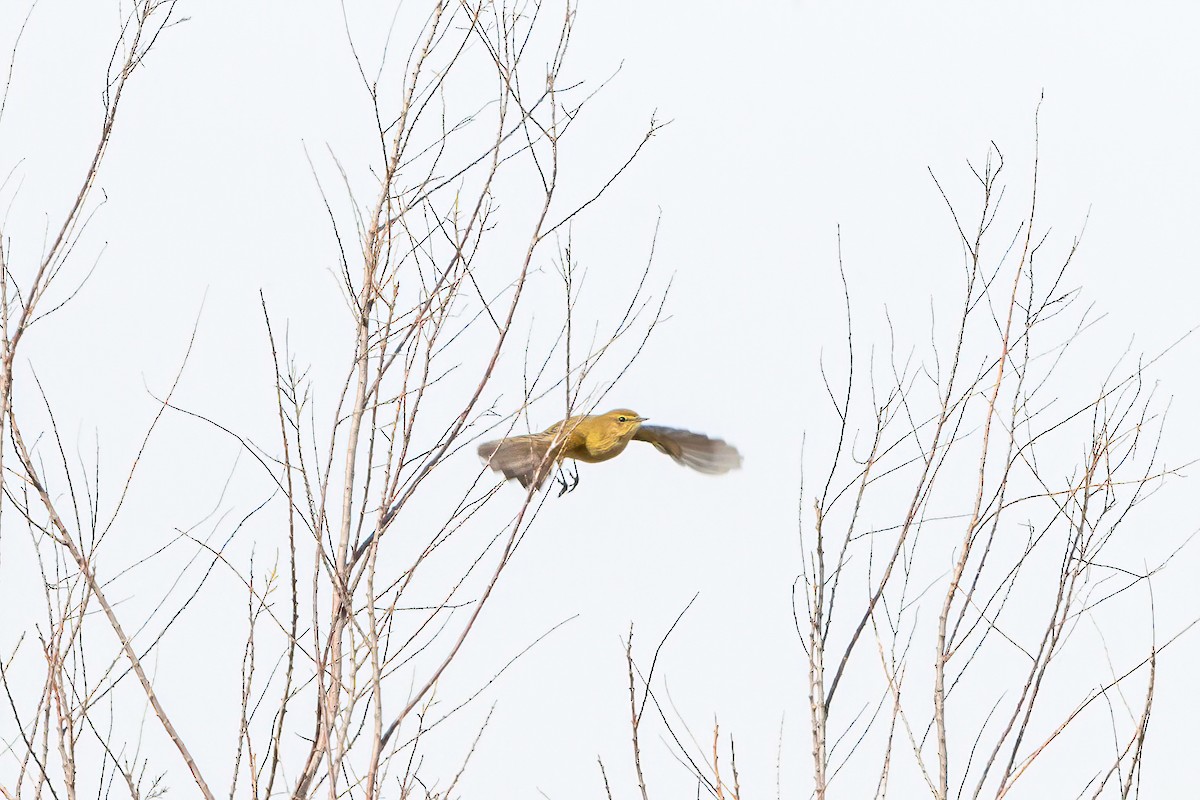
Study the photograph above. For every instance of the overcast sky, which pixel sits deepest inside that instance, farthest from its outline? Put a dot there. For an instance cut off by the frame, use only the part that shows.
(789, 121)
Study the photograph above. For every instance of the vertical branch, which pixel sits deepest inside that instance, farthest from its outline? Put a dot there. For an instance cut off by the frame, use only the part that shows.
(635, 717)
(943, 647)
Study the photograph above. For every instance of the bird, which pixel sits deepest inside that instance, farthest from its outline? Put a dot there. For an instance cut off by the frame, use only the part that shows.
(529, 459)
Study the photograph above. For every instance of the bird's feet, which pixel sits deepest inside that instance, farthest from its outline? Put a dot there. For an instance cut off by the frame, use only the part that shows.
(568, 484)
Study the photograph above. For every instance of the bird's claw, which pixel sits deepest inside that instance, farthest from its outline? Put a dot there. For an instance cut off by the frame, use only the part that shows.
(567, 485)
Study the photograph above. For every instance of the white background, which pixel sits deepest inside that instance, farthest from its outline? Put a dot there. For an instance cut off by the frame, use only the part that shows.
(788, 120)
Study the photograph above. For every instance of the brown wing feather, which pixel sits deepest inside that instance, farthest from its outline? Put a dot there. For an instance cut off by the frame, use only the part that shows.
(521, 457)
(695, 450)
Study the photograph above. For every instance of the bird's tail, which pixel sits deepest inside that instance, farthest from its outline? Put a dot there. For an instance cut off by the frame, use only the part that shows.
(523, 458)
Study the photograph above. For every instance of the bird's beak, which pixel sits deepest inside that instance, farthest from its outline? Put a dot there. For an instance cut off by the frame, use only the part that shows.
(642, 419)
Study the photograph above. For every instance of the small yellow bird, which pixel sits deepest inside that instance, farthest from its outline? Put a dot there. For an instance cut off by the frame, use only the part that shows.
(531, 458)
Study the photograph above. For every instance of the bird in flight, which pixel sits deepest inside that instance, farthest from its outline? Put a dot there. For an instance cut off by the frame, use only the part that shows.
(592, 438)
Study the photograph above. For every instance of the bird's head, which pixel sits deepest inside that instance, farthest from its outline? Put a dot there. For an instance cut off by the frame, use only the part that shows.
(623, 422)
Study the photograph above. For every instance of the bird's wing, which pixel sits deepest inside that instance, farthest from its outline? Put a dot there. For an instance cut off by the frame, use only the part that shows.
(695, 450)
(524, 458)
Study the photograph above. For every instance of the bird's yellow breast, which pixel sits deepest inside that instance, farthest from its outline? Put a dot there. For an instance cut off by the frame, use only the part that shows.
(596, 439)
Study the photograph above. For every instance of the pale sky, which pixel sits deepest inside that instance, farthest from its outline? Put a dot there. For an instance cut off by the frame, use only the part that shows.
(788, 121)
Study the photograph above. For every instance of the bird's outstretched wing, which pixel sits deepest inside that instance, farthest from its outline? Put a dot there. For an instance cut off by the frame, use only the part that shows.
(521, 457)
(695, 450)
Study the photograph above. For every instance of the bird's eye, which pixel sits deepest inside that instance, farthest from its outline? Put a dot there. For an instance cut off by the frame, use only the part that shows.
(622, 419)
